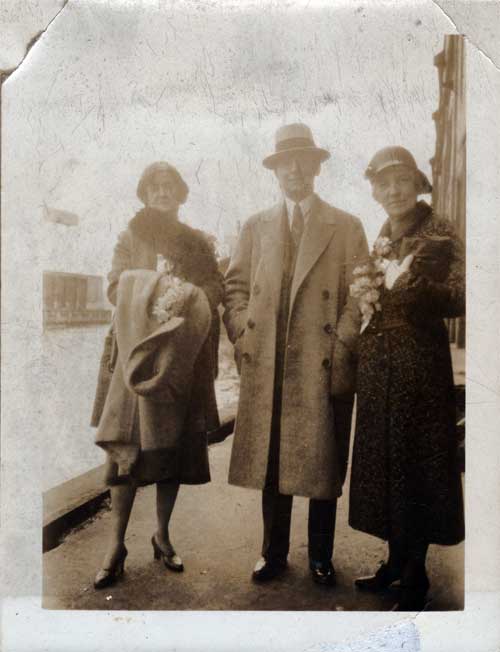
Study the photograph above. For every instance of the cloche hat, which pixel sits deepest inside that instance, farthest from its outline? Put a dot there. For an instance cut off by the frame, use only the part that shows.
(182, 189)
(397, 155)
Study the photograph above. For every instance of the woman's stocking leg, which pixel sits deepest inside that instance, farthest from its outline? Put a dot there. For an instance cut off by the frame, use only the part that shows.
(122, 500)
(398, 555)
(166, 495)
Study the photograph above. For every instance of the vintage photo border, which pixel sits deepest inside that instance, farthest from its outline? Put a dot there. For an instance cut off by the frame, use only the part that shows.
(26, 626)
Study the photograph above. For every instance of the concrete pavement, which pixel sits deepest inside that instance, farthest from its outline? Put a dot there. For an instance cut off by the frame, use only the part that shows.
(217, 530)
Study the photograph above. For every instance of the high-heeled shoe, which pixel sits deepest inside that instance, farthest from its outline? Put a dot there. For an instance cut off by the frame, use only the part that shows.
(108, 576)
(413, 588)
(171, 559)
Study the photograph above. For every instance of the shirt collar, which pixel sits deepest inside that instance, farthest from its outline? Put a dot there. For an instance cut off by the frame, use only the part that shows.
(305, 206)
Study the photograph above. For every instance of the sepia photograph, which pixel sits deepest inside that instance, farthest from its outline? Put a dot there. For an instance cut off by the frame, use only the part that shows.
(239, 239)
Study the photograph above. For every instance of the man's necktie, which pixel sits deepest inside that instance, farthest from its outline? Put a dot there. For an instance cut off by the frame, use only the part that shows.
(297, 225)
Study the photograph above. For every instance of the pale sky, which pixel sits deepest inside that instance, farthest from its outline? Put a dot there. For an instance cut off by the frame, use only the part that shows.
(204, 86)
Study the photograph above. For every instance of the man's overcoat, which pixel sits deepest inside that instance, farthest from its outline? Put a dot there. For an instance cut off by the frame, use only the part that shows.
(323, 326)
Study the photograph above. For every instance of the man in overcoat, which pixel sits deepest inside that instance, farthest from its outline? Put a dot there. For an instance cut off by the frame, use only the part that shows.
(294, 328)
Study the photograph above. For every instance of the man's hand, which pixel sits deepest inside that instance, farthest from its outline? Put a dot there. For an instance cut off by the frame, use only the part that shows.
(394, 270)
(344, 363)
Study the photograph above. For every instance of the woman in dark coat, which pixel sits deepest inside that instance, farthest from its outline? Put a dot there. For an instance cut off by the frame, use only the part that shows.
(155, 230)
(405, 484)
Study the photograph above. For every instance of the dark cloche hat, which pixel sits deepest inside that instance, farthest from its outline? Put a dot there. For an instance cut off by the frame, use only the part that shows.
(390, 156)
(295, 137)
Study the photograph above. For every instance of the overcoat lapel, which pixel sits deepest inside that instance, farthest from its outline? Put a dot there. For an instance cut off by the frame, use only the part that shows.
(273, 247)
(315, 239)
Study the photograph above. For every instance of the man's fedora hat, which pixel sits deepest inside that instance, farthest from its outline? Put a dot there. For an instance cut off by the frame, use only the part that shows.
(391, 156)
(292, 138)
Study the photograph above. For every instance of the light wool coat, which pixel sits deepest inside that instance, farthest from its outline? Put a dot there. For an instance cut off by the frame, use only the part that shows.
(323, 327)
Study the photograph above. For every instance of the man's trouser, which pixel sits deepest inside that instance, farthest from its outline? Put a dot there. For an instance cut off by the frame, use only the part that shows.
(277, 508)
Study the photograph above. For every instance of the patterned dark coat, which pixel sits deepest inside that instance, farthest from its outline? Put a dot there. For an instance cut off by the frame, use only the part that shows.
(405, 483)
(147, 235)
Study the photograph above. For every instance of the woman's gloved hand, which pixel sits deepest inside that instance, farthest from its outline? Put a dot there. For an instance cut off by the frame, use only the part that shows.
(395, 270)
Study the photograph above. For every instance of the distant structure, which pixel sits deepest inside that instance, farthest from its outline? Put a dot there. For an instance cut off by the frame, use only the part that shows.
(73, 300)
(71, 297)
(449, 162)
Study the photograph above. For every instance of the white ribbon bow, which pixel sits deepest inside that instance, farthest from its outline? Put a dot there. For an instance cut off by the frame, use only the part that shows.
(395, 270)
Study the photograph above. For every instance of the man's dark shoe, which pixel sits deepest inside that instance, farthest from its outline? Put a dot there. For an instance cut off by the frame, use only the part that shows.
(382, 579)
(267, 569)
(323, 572)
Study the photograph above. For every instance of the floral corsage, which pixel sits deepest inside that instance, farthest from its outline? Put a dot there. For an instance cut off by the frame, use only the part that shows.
(171, 292)
(369, 278)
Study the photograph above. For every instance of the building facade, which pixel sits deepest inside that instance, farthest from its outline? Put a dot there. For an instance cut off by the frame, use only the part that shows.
(73, 282)
(449, 162)
(73, 300)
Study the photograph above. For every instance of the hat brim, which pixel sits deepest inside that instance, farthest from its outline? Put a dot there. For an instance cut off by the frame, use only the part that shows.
(270, 162)
(425, 184)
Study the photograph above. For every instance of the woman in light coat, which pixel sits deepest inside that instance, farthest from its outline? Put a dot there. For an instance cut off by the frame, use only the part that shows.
(155, 230)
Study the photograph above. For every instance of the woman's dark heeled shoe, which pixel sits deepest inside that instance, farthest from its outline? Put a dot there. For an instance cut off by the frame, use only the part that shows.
(412, 599)
(381, 581)
(108, 576)
(413, 588)
(171, 559)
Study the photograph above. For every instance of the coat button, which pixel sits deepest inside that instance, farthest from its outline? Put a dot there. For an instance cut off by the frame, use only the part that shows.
(256, 289)
(326, 363)
(246, 357)
(251, 323)
(326, 294)
(328, 328)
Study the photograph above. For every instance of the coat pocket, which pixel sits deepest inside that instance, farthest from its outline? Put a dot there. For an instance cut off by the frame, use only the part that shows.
(238, 351)
(344, 368)
(113, 350)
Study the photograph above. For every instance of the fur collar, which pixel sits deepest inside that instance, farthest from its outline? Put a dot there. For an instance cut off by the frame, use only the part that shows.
(168, 236)
(149, 221)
